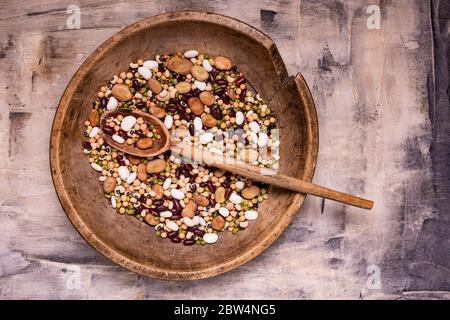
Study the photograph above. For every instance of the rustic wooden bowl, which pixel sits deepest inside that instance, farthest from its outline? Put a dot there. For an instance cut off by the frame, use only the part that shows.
(125, 240)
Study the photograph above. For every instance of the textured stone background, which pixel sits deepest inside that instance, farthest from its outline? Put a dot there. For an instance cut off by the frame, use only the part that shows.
(383, 105)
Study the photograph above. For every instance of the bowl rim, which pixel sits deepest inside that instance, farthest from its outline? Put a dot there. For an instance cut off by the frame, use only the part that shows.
(151, 270)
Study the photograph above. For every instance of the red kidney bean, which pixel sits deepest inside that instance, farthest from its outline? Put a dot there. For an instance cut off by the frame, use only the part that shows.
(140, 133)
(202, 184)
(239, 81)
(225, 98)
(108, 130)
(228, 193)
(188, 242)
(178, 172)
(160, 209)
(136, 85)
(232, 113)
(222, 82)
(103, 102)
(242, 95)
(141, 105)
(158, 203)
(192, 179)
(142, 199)
(167, 155)
(153, 213)
(213, 75)
(176, 240)
(216, 113)
(182, 105)
(120, 160)
(211, 186)
(191, 129)
(139, 209)
(175, 216)
(189, 166)
(219, 91)
(212, 203)
(186, 116)
(123, 134)
(186, 173)
(192, 229)
(199, 233)
(86, 145)
(171, 109)
(172, 234)
(176, 205)
(160, 176)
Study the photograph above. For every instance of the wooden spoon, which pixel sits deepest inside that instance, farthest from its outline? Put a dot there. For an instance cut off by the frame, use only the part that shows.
(200, 155)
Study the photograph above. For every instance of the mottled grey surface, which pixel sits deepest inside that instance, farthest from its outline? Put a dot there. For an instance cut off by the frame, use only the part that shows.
(382, 100)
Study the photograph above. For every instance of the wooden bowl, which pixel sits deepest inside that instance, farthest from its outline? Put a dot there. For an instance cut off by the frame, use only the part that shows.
(133, 244)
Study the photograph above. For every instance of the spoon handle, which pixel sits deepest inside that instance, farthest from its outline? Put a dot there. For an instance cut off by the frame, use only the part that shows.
(268, 176)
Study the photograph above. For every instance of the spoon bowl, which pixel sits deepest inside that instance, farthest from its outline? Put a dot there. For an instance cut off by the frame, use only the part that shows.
(159, 146)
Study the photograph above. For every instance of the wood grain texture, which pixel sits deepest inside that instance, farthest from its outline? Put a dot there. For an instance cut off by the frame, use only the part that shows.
(382, 107)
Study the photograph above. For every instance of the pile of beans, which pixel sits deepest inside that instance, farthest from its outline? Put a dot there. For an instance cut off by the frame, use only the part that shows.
(210, 104)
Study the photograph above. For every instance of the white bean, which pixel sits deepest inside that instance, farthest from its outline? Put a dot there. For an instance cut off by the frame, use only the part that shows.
(243, 224)
(146, 73)
(254, 126)
(112, 104)
(224, 212)
(94, 132)
(191, 222)
(128, 123)
(200, 85)
(239, 118)
(206, 65)
(235, 198)
(191, 54)
(171, 225)
(210, 238)
(206, 138)
(123, 172)
(240, 185)
(177, 194)
(251, 215)
(150, 64)
(96, 167)
(167, 183)
(198, 123)
(168, 121)
(118, 138)
(165, 214)
(131, 177)
(263, 139)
